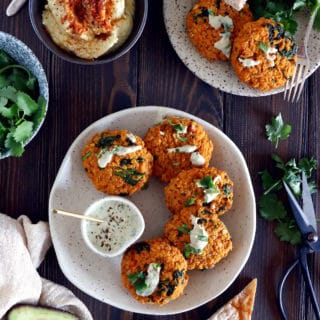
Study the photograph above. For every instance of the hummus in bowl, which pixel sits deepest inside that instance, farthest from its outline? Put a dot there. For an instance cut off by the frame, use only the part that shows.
(89, 28)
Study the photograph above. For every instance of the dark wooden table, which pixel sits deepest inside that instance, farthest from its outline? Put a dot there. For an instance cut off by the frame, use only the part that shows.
(152, 74)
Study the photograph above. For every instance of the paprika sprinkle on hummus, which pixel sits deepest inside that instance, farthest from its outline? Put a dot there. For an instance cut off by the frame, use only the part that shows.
(89, 28)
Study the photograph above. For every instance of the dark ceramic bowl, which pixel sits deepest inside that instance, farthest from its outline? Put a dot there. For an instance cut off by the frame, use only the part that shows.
(36, 8)
(21, 53)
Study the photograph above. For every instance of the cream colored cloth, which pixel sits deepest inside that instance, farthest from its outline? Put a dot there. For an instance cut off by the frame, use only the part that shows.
(23, 246)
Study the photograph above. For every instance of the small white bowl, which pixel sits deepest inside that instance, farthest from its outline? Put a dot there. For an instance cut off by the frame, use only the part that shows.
(124, 225)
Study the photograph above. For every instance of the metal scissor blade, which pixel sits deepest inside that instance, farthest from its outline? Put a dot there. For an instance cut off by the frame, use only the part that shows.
(302, 220)
(307, 204)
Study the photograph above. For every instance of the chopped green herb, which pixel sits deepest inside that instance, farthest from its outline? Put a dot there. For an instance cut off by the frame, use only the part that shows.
(124, 162)
(21, 108)
(288, 231)
(130, 175)
(226, 189)
(183, 229)
(277, 130)
(182, 139)
(178, 274)
(107, 141)
(140, 246)
(205, 182)
(271, 208)
(138, 280)
(189, 250)
(190, 202)
(202, 238)
(86, 155)
(262, 46)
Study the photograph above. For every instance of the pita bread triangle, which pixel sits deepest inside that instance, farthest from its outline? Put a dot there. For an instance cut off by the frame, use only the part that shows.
(239, 307)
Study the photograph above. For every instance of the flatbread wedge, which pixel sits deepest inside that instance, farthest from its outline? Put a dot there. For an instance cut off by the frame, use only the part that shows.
(239, 307)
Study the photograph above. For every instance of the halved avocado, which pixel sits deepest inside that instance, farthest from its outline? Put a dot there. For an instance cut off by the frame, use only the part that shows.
(31, 312)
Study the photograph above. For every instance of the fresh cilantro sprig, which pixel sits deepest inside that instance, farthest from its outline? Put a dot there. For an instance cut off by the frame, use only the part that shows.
(271, 208)
(277, 130)
(21, 108)
(283, 11)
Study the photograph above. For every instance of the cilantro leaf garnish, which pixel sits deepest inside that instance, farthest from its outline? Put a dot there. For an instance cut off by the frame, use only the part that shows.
(205, 182)
(183, 229)
(288, 231)
(130, 175)
(277, 130)
(23, 131)
(271, 208)
(188, 249)
(189, 202)
(137, 280)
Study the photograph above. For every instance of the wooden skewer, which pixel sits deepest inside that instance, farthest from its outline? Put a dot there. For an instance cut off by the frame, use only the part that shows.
(75, 215)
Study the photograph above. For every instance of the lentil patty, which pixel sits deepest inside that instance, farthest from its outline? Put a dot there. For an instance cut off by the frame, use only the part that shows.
(219, 244)
(124, 174)
(176, 133)
(184, 190)
(173, 277)
(204, 36)
(273, 54)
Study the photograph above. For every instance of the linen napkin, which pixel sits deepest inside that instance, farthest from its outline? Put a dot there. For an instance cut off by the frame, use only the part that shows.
(23, 246)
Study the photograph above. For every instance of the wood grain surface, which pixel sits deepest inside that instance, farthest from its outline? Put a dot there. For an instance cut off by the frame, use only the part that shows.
(152, 74)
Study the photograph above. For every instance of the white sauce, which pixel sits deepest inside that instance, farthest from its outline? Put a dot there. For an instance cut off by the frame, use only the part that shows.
(197, 159)
(131, 137)
(271, 55)
(224, 44)
(249, 62)
(183, 149)
(184, 129)
(161, 133)
(210, 194)
(197, 235)
(120, 227)
(117, 150)
(152, 280)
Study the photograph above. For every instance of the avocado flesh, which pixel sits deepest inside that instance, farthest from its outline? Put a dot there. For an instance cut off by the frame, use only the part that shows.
(26, 312)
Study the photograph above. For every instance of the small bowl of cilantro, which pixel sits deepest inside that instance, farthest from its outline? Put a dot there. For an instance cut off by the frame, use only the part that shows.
(24, 96)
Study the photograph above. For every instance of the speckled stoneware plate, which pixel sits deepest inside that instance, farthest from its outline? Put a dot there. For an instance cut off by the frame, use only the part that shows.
(100, 277)
(24, 56)
(221, 74)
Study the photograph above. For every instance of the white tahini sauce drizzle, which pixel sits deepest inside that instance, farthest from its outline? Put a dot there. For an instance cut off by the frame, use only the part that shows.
(249, 62)
(131, 137)
(197, 159)
(152, 280)
(271, 55)
(117, 150)
(161, 133)
(210, 194)
(198, 235)
(224, 44)
(183, 149)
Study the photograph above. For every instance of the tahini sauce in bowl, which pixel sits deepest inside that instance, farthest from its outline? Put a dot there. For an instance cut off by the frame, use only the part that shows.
(124, 224)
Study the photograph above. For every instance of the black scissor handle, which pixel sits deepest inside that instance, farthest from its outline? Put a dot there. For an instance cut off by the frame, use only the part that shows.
(281, 286)
(306, 275)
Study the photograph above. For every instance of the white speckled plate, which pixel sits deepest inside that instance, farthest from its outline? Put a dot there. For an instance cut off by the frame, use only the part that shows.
(100, 277)
(220, 74)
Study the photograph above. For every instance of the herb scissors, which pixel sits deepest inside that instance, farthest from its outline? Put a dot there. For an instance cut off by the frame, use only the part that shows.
(306, 222)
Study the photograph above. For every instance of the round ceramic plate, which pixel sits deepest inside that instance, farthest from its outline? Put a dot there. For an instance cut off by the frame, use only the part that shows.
(220, 74)
(100, 277)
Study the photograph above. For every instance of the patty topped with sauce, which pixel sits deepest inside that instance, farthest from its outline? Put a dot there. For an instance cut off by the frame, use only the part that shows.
(212, 26)
(178, 144)
(117, 162)
(207, 188)
(263, 56)
(89, 28)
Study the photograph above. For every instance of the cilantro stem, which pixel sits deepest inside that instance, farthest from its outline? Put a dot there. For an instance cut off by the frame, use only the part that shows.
(15, 66)
(272, 187)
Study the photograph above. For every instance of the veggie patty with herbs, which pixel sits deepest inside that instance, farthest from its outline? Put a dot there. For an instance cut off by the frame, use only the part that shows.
(203, 242)
(263, 56)
(207, 188)
(212, 25)
(117, 162)
(178, 144)
(154, 271)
